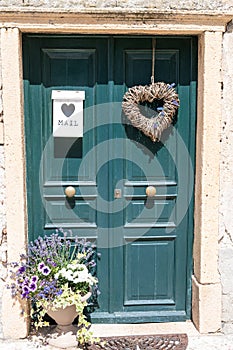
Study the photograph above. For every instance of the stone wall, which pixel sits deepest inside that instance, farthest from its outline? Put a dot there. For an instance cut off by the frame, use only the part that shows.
(196, 5)
(2, 187)
(226, 185)
(2, 184)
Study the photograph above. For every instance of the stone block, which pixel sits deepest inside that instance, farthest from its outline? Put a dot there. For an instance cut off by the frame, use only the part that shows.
(207, 163)
(227, 307)
(226, 269)
(1, 133)
(15, 326)
(227, 328)
(137, 3)
(206, 308)
(226, 186)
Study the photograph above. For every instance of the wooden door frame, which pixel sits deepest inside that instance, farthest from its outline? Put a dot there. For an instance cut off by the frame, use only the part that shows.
(206, 304)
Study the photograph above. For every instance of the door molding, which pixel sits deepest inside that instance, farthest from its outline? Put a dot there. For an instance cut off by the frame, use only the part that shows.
(206, 282)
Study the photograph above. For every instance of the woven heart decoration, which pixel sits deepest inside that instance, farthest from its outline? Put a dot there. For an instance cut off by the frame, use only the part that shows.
(137, 95)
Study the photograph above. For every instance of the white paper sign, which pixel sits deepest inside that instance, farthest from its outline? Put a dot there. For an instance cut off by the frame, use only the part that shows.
(68, 113)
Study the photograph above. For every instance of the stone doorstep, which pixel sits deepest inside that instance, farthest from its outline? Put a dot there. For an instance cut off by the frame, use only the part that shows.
(200, 342)
(68, 340)
(196, 340)
(107, 330)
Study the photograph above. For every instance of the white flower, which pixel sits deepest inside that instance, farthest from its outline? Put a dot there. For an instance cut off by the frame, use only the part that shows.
(82, 267)
(71, 266)
(76, 280)
(62, 271)
(69, 275)
(75, 274)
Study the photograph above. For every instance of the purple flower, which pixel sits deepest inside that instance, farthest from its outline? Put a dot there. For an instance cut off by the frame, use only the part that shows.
(34, 275)
(25, 288)
(22, 269)
(26, 291)
(33, 287)
(46, 270)
(41, 266)
(51, 262)
(25, 295)
(14, 264)
(34, 279)
(26, 280)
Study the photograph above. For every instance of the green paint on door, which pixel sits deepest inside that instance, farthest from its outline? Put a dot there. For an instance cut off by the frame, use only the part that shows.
(146, 244)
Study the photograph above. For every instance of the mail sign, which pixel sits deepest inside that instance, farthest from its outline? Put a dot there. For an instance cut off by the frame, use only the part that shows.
(68, 113)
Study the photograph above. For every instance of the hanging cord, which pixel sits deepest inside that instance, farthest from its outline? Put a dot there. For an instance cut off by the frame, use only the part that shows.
(153, 61)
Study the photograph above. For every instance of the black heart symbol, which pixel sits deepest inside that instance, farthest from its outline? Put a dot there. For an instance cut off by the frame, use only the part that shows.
(68, 110)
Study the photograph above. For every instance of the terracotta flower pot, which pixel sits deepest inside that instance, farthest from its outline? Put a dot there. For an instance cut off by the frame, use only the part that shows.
(63, 317)
(66, 316)
(65, 332)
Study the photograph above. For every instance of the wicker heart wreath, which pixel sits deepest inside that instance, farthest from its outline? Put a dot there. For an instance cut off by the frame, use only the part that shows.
(137, 95)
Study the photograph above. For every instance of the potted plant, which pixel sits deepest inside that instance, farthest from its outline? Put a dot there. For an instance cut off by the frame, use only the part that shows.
(57, 275)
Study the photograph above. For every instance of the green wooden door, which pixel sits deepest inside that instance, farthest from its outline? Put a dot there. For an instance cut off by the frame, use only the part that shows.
(145, 244)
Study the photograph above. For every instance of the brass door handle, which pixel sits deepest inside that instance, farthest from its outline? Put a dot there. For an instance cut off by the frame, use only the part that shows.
(150, 191)
(70, 191)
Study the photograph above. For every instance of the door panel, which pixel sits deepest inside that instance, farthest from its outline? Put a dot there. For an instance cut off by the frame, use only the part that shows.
(145, 266)
(155, 241)
(145, 286)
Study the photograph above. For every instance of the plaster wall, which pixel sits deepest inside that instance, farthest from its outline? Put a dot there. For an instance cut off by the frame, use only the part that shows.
(2, 161)
(2, 212)
(163, 5)
(226, 187)
(2, 183)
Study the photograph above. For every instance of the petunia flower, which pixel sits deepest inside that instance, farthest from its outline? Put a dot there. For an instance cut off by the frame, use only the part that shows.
(32, 287)
(46, 271)
(22, 269)
(26, 291)
(34, 279)
(41, 266)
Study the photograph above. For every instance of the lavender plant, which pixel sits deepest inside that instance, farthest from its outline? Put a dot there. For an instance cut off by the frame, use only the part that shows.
(55, 272)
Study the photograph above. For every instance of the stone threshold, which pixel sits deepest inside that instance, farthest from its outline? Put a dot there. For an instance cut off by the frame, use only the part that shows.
(108, 330)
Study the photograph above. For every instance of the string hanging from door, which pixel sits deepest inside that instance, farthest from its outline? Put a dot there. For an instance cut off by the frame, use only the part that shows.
(162, 94)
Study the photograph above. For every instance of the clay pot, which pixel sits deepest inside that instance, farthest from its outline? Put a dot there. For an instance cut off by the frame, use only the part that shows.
(66, 316)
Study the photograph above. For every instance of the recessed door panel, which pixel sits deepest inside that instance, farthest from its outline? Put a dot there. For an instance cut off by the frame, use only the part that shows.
(146, 260)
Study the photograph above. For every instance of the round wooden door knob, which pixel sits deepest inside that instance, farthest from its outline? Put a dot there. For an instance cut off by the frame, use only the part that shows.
(70, 191)
(150, 191)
